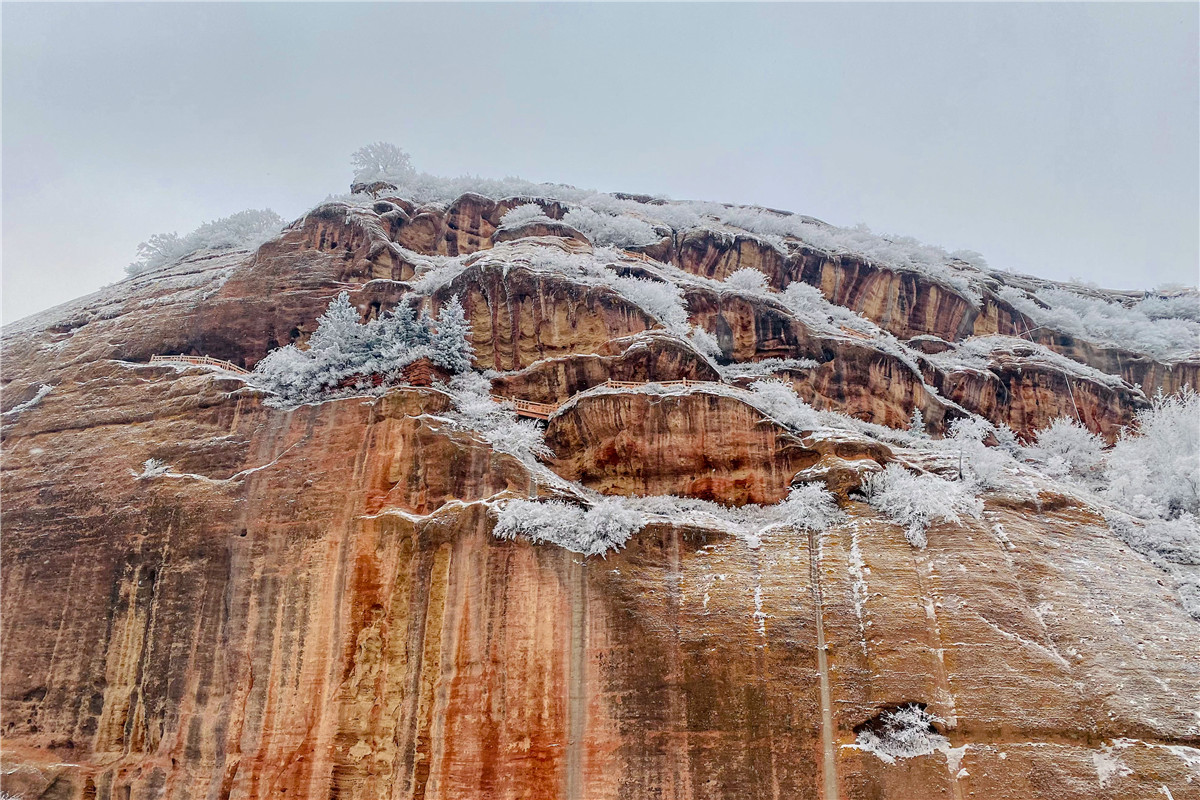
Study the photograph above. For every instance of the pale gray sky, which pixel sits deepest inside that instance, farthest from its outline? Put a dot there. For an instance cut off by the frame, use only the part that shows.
(1059, 140)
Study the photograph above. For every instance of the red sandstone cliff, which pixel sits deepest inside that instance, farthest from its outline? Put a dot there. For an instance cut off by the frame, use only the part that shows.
(311, 603)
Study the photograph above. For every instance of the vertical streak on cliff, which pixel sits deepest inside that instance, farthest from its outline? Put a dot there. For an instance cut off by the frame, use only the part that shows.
(430, 669)
(944, 693)
(577, 689)
(397, 695)
(124, 661)
(763, 666)
(677, 729)
(137, 728)
(58, 635)
(341, 629)
(829, 762)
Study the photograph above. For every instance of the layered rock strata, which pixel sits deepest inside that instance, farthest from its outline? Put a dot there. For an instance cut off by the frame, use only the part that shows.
(207, 596)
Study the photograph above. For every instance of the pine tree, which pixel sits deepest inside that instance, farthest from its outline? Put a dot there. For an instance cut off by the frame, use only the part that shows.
(451, 347)
(916, 423)
(340, 346)
(399, 333)
(338, 327)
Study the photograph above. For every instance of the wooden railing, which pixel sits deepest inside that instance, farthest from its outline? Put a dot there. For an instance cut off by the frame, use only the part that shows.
(202, 360)
(528, 408)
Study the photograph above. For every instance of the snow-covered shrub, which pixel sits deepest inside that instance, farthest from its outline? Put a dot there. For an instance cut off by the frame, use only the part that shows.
(342, 348)
(664, 301)
(610, 522)
(152, 468)
(1176, 540)
(381, 161)
(811, 507)
(607, 525)
(475, 409)
(1154, 469)
(807, 303)
(523, 215)
(543, 521)
(981, 465)
(607, 230)
(1006, 439)
(1066, 448)
(248, 228)
(1182, 306)
(764, 367)
(522, 438)
(777, 399)
(903, 732)
(1165, 329)
(747, 279)
(919, 500)
(705, 343)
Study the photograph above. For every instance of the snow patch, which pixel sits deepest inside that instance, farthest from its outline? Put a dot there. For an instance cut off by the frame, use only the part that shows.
(904, 732)
(42, 391)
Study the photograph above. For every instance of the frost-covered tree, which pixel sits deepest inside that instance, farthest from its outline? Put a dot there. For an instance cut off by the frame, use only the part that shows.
(608, 230)
(916, 423)
(607, 525)
(343, 348)
(610, 522)
(248, 228)
(658, 298)
(159, 249)
(451, 344)
(153, 468)
(903, 732)
(523, 215)
(747, 279)
(919, 500)
(811, 507)
(381, 161)
(1154, 469)
(340, 331)
(778, 400)
(475, 409)
(980, 465)
(1066, 448)
(399, 332)
(705, 342)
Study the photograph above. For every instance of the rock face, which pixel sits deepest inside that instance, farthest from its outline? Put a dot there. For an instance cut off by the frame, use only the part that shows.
(641, 358)
(1026, 392)
(851, 375)
(519, 317)
(310, 603)
(699, 445)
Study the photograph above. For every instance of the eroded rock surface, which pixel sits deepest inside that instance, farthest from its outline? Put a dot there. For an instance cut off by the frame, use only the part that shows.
(310, 602)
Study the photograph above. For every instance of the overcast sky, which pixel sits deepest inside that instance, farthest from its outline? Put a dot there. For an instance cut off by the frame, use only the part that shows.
(1058, 140)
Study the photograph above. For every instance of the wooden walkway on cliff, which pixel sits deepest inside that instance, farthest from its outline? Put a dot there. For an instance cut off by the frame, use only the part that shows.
(204, 361)
(542, 411)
